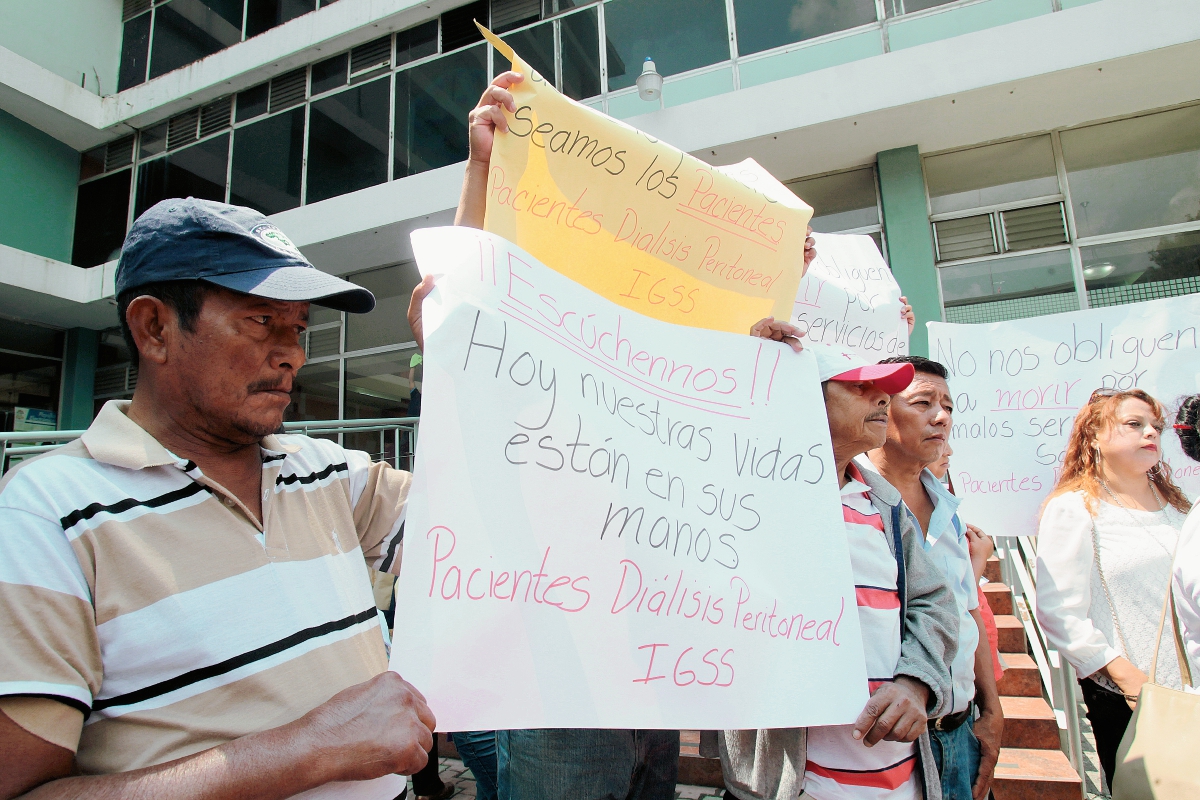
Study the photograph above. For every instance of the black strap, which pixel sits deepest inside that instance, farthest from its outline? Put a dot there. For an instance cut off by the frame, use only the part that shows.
(901, 587)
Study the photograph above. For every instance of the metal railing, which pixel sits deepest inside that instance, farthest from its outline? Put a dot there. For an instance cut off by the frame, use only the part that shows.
(1018, 555)
(385, 439)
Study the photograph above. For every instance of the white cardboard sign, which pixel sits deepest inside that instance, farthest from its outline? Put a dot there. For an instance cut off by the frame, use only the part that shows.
(616, 522)
(848, 298)
(1017, 386)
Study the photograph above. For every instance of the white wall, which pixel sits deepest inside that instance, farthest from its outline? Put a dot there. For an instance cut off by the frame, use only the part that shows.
(68, 37)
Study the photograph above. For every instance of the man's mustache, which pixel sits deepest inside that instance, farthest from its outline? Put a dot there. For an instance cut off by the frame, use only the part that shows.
(882, 415)
(269, 386)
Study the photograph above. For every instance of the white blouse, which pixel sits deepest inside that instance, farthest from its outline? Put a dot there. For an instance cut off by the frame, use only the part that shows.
(1136, 551)
(1187, 589)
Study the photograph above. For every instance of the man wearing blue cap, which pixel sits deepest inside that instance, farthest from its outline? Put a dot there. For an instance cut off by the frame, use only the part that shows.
(186, 604)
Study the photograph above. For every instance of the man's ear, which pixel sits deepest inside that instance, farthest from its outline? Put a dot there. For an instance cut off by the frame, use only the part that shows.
(151, 322)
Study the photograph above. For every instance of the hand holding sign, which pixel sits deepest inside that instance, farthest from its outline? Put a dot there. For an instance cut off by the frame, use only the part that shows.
(635, 220)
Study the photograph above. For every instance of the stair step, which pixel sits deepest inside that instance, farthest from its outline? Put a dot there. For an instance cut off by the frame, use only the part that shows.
(999, 597)
(1012, 633)
(697, 771)
(1021, 676)
(1035, 775)
(991, 569)
(1029, 722)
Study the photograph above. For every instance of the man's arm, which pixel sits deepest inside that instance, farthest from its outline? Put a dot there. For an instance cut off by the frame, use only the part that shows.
(989, 728)
(930, 639)
(367, 731)
(898, 711)
(482, 123)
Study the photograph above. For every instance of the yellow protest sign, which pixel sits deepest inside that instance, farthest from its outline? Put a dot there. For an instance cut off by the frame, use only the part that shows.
(638, 221)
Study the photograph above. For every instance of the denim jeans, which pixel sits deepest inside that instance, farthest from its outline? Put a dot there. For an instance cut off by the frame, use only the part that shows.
(956, 754)
(478, 751)
(587, 764)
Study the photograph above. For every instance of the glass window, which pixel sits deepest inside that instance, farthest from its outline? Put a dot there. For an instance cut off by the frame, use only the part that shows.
(763, 24)
(580, 34)
(262, 15)
(153, 140)
(29, 373)
(840, 202)
(348, 141)
(536, 46)
(330, 74)
(315, 392)
(1144, 269)
(678, 34)
(897, 7)
(1009, 288)
(379, 385)
(91, 162)
(991, 175)
(417, 42)
(267, 159)
(1135, 173)
(196, 171)
(135, 49)
(458, 25)
(188, 30)
(382, 386)
(432, 103)
(101, 213)
(253, 102)
(388, 322)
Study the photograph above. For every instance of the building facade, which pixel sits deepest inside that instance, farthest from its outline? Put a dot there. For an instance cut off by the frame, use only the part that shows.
(1011, 157)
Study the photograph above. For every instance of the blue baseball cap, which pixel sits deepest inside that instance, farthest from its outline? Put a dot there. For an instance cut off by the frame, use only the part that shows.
(230, 246)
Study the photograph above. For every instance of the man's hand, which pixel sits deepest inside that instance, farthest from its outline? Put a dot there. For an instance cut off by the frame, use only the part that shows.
(981, 547)
(907, 314)
(810, 248)
(989, 730)
(370, 730)
(419, 294)
(488, 116)
(895, 712)
(482, 123)
(770, 328)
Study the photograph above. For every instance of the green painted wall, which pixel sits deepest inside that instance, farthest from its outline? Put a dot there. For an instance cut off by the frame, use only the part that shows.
(79, 40)
(909, 241)
(78, 379)
(38, 177)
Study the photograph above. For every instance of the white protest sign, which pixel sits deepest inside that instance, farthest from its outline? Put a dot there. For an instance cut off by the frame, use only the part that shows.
(1017, 386)
(848, 298)
(616, 521)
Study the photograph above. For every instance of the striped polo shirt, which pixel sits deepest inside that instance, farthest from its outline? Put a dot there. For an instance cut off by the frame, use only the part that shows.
(145, 595)
(838, 766)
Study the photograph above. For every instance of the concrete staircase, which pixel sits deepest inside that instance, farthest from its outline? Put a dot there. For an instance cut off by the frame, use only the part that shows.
(1032, 764)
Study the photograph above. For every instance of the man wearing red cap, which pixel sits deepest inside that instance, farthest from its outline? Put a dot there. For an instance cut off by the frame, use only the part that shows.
(907, 616)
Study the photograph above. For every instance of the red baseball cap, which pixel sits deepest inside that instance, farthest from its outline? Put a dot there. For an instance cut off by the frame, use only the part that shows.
(835, 364)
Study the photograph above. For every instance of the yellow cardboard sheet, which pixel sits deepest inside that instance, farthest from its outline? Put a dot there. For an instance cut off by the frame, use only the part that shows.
(639, 222)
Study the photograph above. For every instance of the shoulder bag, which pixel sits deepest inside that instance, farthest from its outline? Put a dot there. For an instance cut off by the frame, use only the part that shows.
(1157, 756)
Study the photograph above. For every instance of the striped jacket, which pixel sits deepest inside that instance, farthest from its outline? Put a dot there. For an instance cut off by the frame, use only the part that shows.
(770, 764)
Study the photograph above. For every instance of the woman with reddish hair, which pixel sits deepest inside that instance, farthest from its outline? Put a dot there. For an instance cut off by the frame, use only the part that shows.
(1106, 539)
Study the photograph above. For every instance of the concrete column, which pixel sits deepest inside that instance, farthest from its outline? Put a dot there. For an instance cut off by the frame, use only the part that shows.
(78, 379)
(909, 240)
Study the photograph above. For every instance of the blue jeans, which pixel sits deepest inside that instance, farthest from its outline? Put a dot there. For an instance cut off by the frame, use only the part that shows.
(587, 764)
(478, 751)
(956, 754)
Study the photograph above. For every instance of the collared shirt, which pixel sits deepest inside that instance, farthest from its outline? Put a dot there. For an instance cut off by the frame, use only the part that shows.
(946, 543)
(144, 594)
(838, 766)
